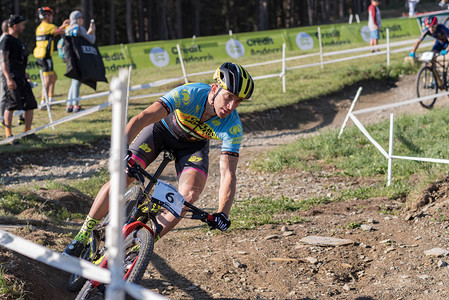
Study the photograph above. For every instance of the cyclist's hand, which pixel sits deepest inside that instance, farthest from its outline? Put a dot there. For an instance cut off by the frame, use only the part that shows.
(443, 52)
(412, 54)
(220, 222)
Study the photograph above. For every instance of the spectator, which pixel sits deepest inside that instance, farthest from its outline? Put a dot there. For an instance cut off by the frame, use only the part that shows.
(2, 106)
(76, 29)
(45, 35)
(412, 7)
(17, 90)
(374, 24)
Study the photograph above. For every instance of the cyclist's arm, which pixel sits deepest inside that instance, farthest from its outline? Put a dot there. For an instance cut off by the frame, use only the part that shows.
(416, 45)
(228, 180)
(152, 114)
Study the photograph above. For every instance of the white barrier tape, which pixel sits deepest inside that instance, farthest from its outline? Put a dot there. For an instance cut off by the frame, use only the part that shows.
(54, 259)
(435, 160)
(141, 293)
(147, 95)
(365, 132)
(154, 84)
(382, 107)
(266, 76)
(82, 98)
(57, 122)
(70, 264)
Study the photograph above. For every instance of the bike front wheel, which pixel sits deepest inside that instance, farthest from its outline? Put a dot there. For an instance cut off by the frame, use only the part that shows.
(426, 85)
(138, 250)
(138, 247)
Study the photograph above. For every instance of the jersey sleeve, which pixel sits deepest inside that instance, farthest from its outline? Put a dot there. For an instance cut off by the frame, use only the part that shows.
(231, 137)
(424, 33)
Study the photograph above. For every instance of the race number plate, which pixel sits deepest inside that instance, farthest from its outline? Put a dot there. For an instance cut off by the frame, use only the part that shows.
(168, 196)
(427, 56)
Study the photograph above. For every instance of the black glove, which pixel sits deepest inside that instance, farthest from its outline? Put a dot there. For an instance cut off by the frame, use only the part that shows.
(220, 222)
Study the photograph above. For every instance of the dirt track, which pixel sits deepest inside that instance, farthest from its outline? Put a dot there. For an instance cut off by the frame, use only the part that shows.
(385, 260)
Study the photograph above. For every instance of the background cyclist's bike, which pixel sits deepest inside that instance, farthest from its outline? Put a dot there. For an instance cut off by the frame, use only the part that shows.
(431, 77)
(140, 229)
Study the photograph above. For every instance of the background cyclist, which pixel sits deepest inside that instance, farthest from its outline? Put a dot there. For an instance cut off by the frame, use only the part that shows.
(438, 31)
(183, 121)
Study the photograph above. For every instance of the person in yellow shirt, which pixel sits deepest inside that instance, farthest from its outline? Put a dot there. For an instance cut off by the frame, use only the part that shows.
(45, 35)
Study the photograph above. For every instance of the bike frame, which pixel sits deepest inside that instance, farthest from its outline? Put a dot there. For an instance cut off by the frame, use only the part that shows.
(442, 80)
(142, 212)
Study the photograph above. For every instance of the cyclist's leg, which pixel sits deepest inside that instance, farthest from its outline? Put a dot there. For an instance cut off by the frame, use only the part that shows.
(100, 206)
(145, 148)
(192, 162)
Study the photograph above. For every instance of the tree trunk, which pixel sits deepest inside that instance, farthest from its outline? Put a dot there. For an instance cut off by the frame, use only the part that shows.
(311, 11)
(196, 17)
(178, 10)
(325, 11)
(263, 15)
(150, 20)
(16, 7)
(129, 24)
(341, 8)
(162, 19)
(140, 23)
(112, 22)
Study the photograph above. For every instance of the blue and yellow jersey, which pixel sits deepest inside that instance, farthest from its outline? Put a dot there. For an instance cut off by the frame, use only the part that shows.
(45, 35)
(186, 105)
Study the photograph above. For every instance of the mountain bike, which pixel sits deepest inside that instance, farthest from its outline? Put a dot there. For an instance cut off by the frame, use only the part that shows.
(431, 77)
(140, 228)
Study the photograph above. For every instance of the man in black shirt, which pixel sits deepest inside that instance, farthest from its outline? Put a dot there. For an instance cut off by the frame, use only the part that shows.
(17, 91)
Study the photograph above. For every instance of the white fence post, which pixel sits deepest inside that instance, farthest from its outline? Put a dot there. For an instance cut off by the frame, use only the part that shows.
(321, 47)
(359, 91)
(390, 151)
(115, 291)
(283, 68)
(388, 47)
(47, 102)
(182, 64)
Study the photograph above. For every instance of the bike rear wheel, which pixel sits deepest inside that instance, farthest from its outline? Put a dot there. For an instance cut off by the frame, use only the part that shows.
(138, 250)
(426, 84)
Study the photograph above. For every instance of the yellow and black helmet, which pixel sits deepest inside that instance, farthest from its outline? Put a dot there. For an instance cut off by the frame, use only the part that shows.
(235, 79)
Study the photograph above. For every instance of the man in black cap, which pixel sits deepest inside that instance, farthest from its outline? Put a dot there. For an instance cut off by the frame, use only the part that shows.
(17, 91)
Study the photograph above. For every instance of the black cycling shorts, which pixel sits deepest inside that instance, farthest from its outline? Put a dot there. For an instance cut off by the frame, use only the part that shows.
(22, 98)
(46, 64)
(156, 137)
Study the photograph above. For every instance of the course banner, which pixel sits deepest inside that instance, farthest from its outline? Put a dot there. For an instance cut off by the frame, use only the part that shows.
(160, 54)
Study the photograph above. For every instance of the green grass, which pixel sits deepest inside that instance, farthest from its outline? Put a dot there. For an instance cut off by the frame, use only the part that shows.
(11, 289)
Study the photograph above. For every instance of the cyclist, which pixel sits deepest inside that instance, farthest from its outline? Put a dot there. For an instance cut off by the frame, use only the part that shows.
(437, 31)
(183, 121)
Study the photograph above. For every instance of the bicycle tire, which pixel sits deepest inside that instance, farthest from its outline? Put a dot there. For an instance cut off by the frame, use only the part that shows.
(131, 196)
(76, 282)
(138, 259)
(88, 292)
(426, 84)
